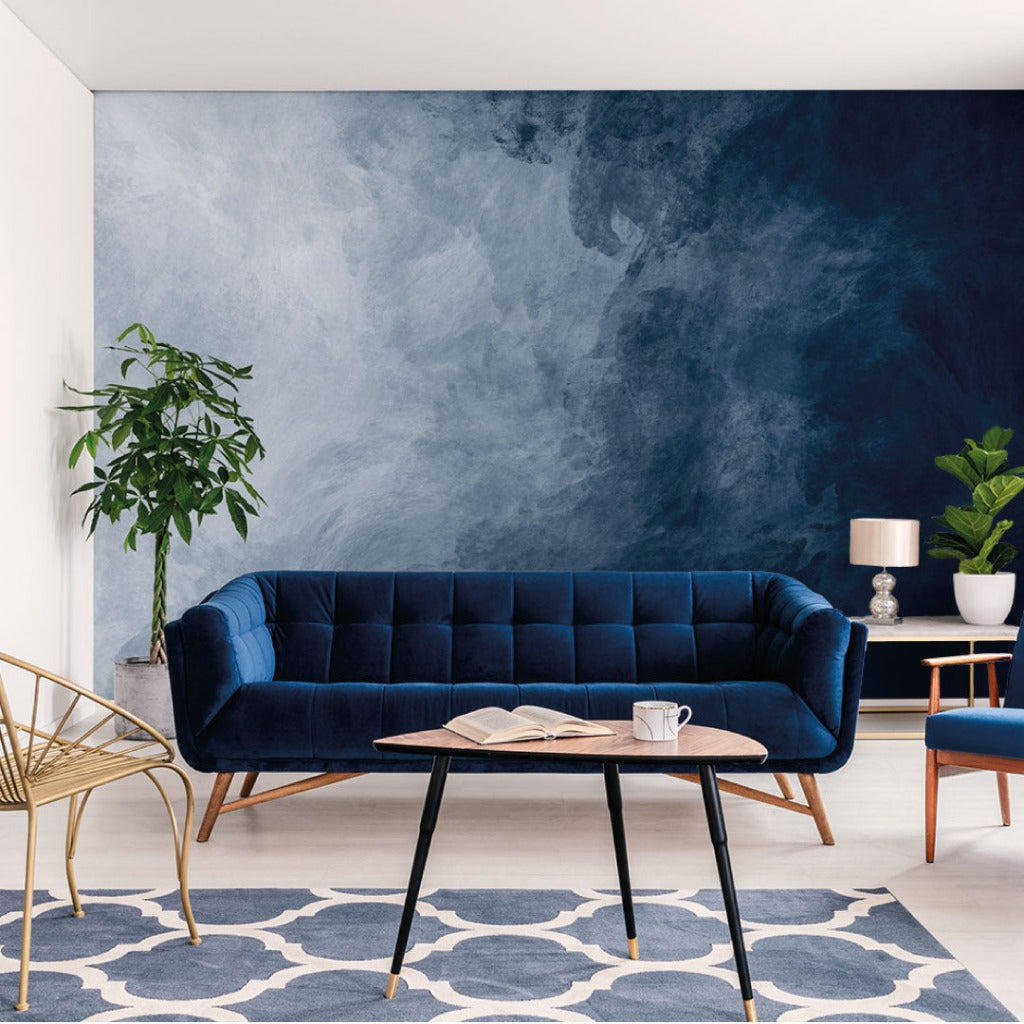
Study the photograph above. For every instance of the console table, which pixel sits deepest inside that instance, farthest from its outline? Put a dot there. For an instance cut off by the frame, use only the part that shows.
(929, 629)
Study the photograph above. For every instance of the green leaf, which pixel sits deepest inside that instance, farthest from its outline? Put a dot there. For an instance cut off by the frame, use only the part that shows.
(182, 491)
(945, 553)
(953, 541)
(985, 462)
(977, 566)
(237, 514)
(994, 537)
(971, 525)
(91, 442)
(76, 451)
(122, 430)
(996, 438)
(959, 467)
(1002, 555)
(992, 495)
(183, 524)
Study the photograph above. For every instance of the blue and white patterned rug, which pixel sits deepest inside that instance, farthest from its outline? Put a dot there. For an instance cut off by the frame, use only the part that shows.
(482, 954)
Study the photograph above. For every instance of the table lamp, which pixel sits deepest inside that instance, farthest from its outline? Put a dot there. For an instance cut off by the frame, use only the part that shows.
(884, 542)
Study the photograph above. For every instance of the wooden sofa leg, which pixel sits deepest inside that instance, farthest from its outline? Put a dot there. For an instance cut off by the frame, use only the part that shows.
(809, 784)
(248, 783)
(784, 786)
(1003, 782)
(931, 802)
(217, 794)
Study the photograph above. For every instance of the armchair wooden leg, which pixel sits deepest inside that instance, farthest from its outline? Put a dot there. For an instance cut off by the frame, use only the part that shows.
(217, 794)
(931, 802)
(248, 782)
(1003, 783)
(809, 784)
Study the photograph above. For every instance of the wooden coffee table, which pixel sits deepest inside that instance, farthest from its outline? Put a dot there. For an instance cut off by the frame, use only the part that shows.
(696, 745)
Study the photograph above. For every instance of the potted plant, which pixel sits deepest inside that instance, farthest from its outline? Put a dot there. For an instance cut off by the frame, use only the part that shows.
(181, 450)
(983, 592)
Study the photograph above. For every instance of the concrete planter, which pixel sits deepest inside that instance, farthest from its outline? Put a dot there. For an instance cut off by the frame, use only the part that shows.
(984, 600)
(145, 691)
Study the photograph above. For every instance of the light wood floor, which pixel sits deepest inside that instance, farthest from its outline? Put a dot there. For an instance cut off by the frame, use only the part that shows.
(552, 831)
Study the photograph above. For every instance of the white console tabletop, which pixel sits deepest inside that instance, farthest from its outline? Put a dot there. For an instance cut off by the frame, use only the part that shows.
(938, 629)
(931, 629)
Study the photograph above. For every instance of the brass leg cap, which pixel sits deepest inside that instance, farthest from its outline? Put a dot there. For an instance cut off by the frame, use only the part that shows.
(389, 992)
(197, 941)
(78, 913)
(748, 1008)
(634, 949)
(21, 1006)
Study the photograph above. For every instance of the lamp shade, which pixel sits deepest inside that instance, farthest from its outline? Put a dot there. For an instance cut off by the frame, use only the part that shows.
(884, 542)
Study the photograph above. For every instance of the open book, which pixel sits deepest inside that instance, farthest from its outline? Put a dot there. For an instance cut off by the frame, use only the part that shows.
(496, 725)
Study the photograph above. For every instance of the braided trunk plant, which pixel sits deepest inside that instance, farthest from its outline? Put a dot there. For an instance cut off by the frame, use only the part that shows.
(181, 449)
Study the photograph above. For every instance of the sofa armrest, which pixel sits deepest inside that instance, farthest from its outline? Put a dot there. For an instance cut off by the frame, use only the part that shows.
(218, 647)
(810, 640)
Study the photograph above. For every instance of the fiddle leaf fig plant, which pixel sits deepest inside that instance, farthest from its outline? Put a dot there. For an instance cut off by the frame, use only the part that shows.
(181, 448)
(973, 536)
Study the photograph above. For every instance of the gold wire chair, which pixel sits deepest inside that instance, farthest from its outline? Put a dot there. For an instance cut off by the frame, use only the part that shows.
(39, 766)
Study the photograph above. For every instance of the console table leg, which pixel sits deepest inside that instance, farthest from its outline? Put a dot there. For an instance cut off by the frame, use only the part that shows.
(716, 826)
(614, 794)
(432, 804)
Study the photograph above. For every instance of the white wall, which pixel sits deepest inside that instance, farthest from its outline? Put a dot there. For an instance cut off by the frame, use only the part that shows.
(46, 334)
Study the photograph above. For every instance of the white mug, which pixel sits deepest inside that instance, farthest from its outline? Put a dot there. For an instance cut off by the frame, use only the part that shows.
(659, 720)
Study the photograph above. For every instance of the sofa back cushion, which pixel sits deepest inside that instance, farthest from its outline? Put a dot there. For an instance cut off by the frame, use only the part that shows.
(523, 627)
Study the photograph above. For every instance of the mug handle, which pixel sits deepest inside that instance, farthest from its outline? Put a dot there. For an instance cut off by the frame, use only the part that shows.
(682, 721)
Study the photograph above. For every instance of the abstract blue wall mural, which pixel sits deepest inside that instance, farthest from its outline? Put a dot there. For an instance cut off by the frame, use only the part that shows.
(593, 330)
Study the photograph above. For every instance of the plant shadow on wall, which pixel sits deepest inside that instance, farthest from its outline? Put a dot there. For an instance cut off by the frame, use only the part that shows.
(973, 537)
(182, 449)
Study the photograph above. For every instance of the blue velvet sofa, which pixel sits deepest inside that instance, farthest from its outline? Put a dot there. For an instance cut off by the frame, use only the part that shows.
(301, 671)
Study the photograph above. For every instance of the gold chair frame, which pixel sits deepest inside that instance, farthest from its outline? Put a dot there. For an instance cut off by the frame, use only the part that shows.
(40, 766)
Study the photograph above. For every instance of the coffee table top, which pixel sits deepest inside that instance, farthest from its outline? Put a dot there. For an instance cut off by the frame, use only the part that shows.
(695, 744)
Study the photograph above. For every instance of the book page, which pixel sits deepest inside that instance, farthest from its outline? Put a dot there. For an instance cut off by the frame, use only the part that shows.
(545, 716)
(491, 720)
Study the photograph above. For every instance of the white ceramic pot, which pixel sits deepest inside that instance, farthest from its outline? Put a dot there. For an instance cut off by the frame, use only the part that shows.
(145, 691)
(984, 600)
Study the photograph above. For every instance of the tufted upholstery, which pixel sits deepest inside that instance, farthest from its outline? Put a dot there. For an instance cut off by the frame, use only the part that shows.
(301, 671)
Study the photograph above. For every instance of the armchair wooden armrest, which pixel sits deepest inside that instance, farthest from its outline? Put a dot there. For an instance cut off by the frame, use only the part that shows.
(967, 659)
(936, 665)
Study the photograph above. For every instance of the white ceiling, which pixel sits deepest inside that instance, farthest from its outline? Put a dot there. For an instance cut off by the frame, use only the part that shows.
(498, 44)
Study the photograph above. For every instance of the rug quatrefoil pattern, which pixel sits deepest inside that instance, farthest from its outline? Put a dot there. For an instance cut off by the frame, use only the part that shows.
(480, 955)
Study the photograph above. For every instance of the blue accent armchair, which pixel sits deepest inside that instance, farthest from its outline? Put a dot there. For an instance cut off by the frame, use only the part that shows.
(301, 671)
(981, 738)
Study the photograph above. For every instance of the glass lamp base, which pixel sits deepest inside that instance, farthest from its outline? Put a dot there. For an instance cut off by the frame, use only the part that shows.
(872, 621)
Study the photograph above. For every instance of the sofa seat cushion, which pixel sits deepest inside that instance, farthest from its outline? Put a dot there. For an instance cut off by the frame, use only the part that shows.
(998, 732)
(335, 722)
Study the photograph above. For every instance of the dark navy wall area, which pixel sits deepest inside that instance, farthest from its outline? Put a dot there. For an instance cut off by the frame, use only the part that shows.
(584, 330)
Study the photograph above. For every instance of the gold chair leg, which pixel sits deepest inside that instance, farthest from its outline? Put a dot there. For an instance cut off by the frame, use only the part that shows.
(181, 843)
(809, 784)
(71, 845)
(247, 783)
(217, 795)
(26, 913)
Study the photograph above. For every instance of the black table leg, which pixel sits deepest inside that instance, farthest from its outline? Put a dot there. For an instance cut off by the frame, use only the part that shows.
(614, 795)
(428, 820)
(716, 826)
